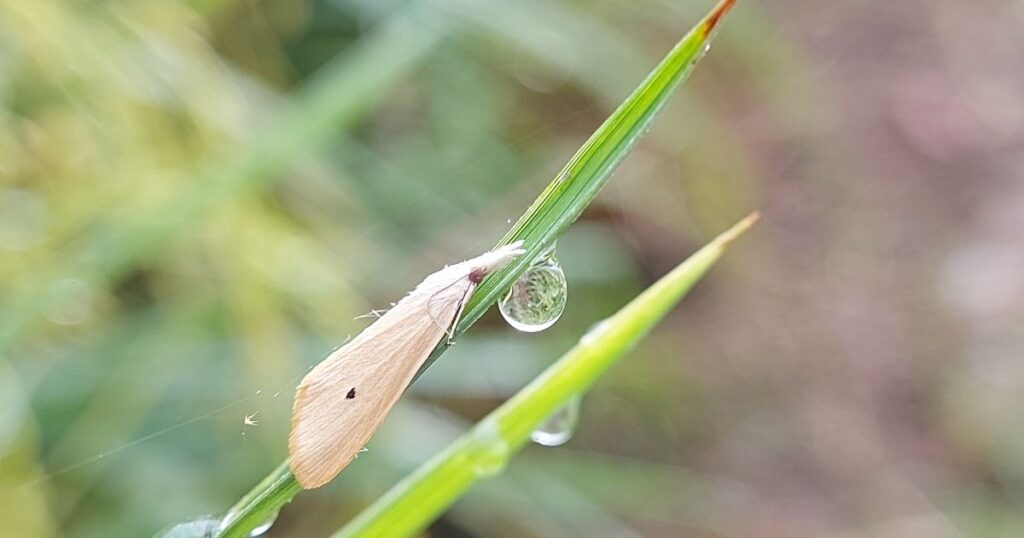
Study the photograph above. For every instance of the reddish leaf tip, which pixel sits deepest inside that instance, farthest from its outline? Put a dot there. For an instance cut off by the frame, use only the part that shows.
(716, 15)
(738, 229)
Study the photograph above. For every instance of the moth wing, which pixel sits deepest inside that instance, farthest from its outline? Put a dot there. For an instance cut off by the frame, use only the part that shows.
(343, 400)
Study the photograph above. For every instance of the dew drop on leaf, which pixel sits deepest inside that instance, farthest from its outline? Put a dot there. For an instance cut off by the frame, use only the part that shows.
(488, 451)
(258, 530)
(537, 299)
(263, 527)
(202, 527)
(558, 428)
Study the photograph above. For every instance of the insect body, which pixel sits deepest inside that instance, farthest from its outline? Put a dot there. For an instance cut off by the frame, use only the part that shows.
(342, 401)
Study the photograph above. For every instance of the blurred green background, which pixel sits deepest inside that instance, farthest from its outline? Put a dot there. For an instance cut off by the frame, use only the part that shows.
(198, 197)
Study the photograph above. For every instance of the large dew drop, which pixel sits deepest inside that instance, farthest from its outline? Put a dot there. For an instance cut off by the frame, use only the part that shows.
(558, 428)
(537, 299)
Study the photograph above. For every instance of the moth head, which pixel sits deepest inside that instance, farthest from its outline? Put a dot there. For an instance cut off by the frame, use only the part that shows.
(494, 260)
(477, 275)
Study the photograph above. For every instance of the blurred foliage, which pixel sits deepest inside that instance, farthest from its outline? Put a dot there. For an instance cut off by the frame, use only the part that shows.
(198, 197)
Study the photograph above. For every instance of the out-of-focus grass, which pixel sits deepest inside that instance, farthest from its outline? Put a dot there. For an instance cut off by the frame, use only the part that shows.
(338, 95)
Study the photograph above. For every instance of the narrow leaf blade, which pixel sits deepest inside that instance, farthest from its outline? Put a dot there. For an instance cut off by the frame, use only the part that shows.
(417, 500)
(572, 190)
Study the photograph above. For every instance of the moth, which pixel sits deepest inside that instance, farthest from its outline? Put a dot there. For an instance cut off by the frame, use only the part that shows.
(342, 401)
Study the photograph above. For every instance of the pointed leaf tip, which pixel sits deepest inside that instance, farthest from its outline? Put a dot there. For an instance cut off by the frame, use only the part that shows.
(711, 21)
(738, 229)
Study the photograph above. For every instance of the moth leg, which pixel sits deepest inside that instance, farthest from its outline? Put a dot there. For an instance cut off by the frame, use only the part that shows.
(374, 313)
(458, 314)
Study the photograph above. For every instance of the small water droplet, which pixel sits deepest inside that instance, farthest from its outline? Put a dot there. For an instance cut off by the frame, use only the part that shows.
(558, 428)
(263, 527)
(488, 452)
(258, 530)
(201, 527)
(702, 53)
(594, 332)
(537, 299)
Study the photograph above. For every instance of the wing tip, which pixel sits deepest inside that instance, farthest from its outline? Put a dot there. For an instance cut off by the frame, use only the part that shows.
(300, 461)
(310, 459)
(310, 471)
(306, 477)
(305, 467)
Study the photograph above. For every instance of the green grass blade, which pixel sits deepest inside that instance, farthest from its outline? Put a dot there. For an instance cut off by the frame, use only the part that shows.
(417, 500)
(565, 198)
(558, 206)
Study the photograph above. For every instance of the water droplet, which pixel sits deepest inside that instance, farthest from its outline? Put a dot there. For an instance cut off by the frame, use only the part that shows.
(537, 299)
(201, 527)
(703, 51)
(594, 332)
(263, 527)
(488, 452)
(558, 428)
(258, 530)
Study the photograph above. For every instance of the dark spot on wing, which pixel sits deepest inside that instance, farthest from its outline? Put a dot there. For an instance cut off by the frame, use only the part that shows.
(351, 394)
(476, 275)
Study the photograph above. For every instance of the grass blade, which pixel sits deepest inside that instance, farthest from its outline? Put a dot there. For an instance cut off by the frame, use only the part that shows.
(565, 198)
(417, 500)
(558, 206)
